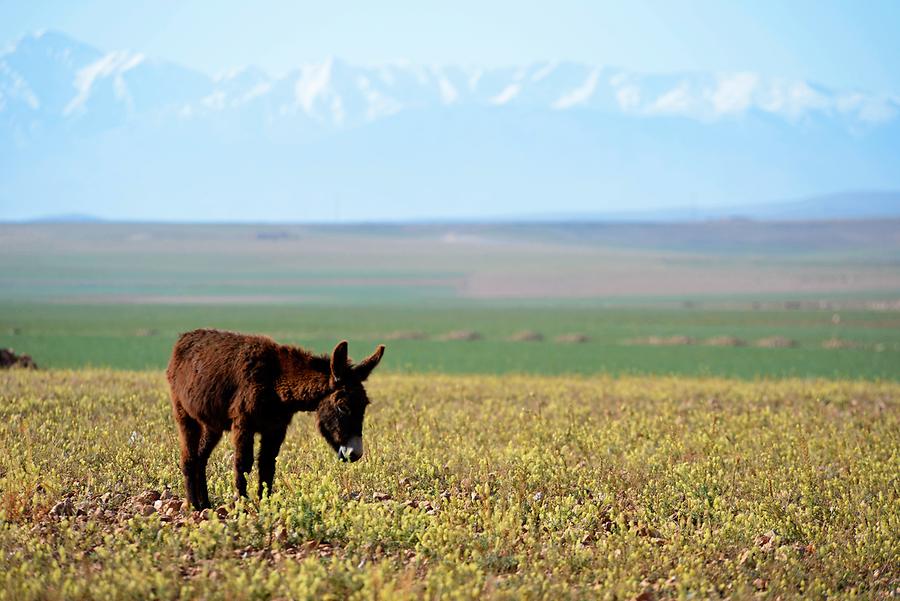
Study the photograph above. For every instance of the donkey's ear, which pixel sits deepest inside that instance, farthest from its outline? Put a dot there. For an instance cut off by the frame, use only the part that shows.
(362, 369)
(339, 364)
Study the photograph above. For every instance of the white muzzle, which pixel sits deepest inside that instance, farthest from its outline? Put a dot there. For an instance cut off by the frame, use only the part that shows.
(352, 450)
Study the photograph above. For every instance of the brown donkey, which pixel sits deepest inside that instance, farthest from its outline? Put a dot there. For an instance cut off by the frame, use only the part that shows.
(251, 384)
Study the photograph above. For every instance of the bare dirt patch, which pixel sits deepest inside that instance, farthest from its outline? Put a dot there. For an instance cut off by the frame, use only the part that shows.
(572, 338)
(112, 512)
(526, 336)
(839, 343)
(724, 341)
(406, 335)
(776, 342)
(464, 335)
(663, 341)
(117, 507)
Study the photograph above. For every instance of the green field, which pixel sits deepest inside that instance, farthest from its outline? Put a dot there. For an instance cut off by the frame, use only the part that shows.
(472, 488)
(117, 295)
(141, 337)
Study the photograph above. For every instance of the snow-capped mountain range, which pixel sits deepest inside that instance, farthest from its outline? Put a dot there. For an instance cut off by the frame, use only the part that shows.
(48, 76)
(577, 136)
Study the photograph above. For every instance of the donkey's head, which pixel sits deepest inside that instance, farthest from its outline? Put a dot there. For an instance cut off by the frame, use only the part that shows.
(340, 415)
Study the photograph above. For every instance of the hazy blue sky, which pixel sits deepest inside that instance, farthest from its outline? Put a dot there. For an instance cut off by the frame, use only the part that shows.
(692, 145)
(850, 43)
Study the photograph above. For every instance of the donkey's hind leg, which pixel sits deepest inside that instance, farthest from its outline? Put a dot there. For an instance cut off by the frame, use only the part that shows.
(208, 440)
(242, 436)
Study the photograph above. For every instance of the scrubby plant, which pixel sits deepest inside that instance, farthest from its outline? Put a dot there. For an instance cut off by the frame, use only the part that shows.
(472, 487)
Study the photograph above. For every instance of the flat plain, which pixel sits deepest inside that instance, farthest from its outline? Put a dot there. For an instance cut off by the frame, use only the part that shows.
(642, 298)
(378, 264)
(564, 412)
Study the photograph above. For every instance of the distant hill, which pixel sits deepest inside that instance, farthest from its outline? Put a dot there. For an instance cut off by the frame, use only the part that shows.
(863, 205)
(841, 206)
(66, 218)
(846, 205)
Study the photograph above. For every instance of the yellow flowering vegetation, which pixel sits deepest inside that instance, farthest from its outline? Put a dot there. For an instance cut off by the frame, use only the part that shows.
(472, 487)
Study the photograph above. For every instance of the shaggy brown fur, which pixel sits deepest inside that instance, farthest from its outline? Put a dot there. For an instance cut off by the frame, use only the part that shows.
(251, 384)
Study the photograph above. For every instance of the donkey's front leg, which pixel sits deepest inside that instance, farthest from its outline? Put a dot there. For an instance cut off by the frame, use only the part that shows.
(268, 451)
(243, 456)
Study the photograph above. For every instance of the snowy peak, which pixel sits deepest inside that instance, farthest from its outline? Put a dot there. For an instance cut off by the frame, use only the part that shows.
(44, 48)
(709, 97)
(38, 72)
(48, 77)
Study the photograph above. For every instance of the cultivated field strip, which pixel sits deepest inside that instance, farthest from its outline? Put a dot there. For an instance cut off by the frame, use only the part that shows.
(472, 487)
(549, 340)
(156, 263)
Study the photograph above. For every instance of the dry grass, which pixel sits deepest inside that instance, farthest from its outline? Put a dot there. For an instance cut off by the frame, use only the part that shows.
(572, 338)
(724, 341)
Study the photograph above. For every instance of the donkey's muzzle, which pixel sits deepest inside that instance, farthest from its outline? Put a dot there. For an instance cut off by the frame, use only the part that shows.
(352, 451)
